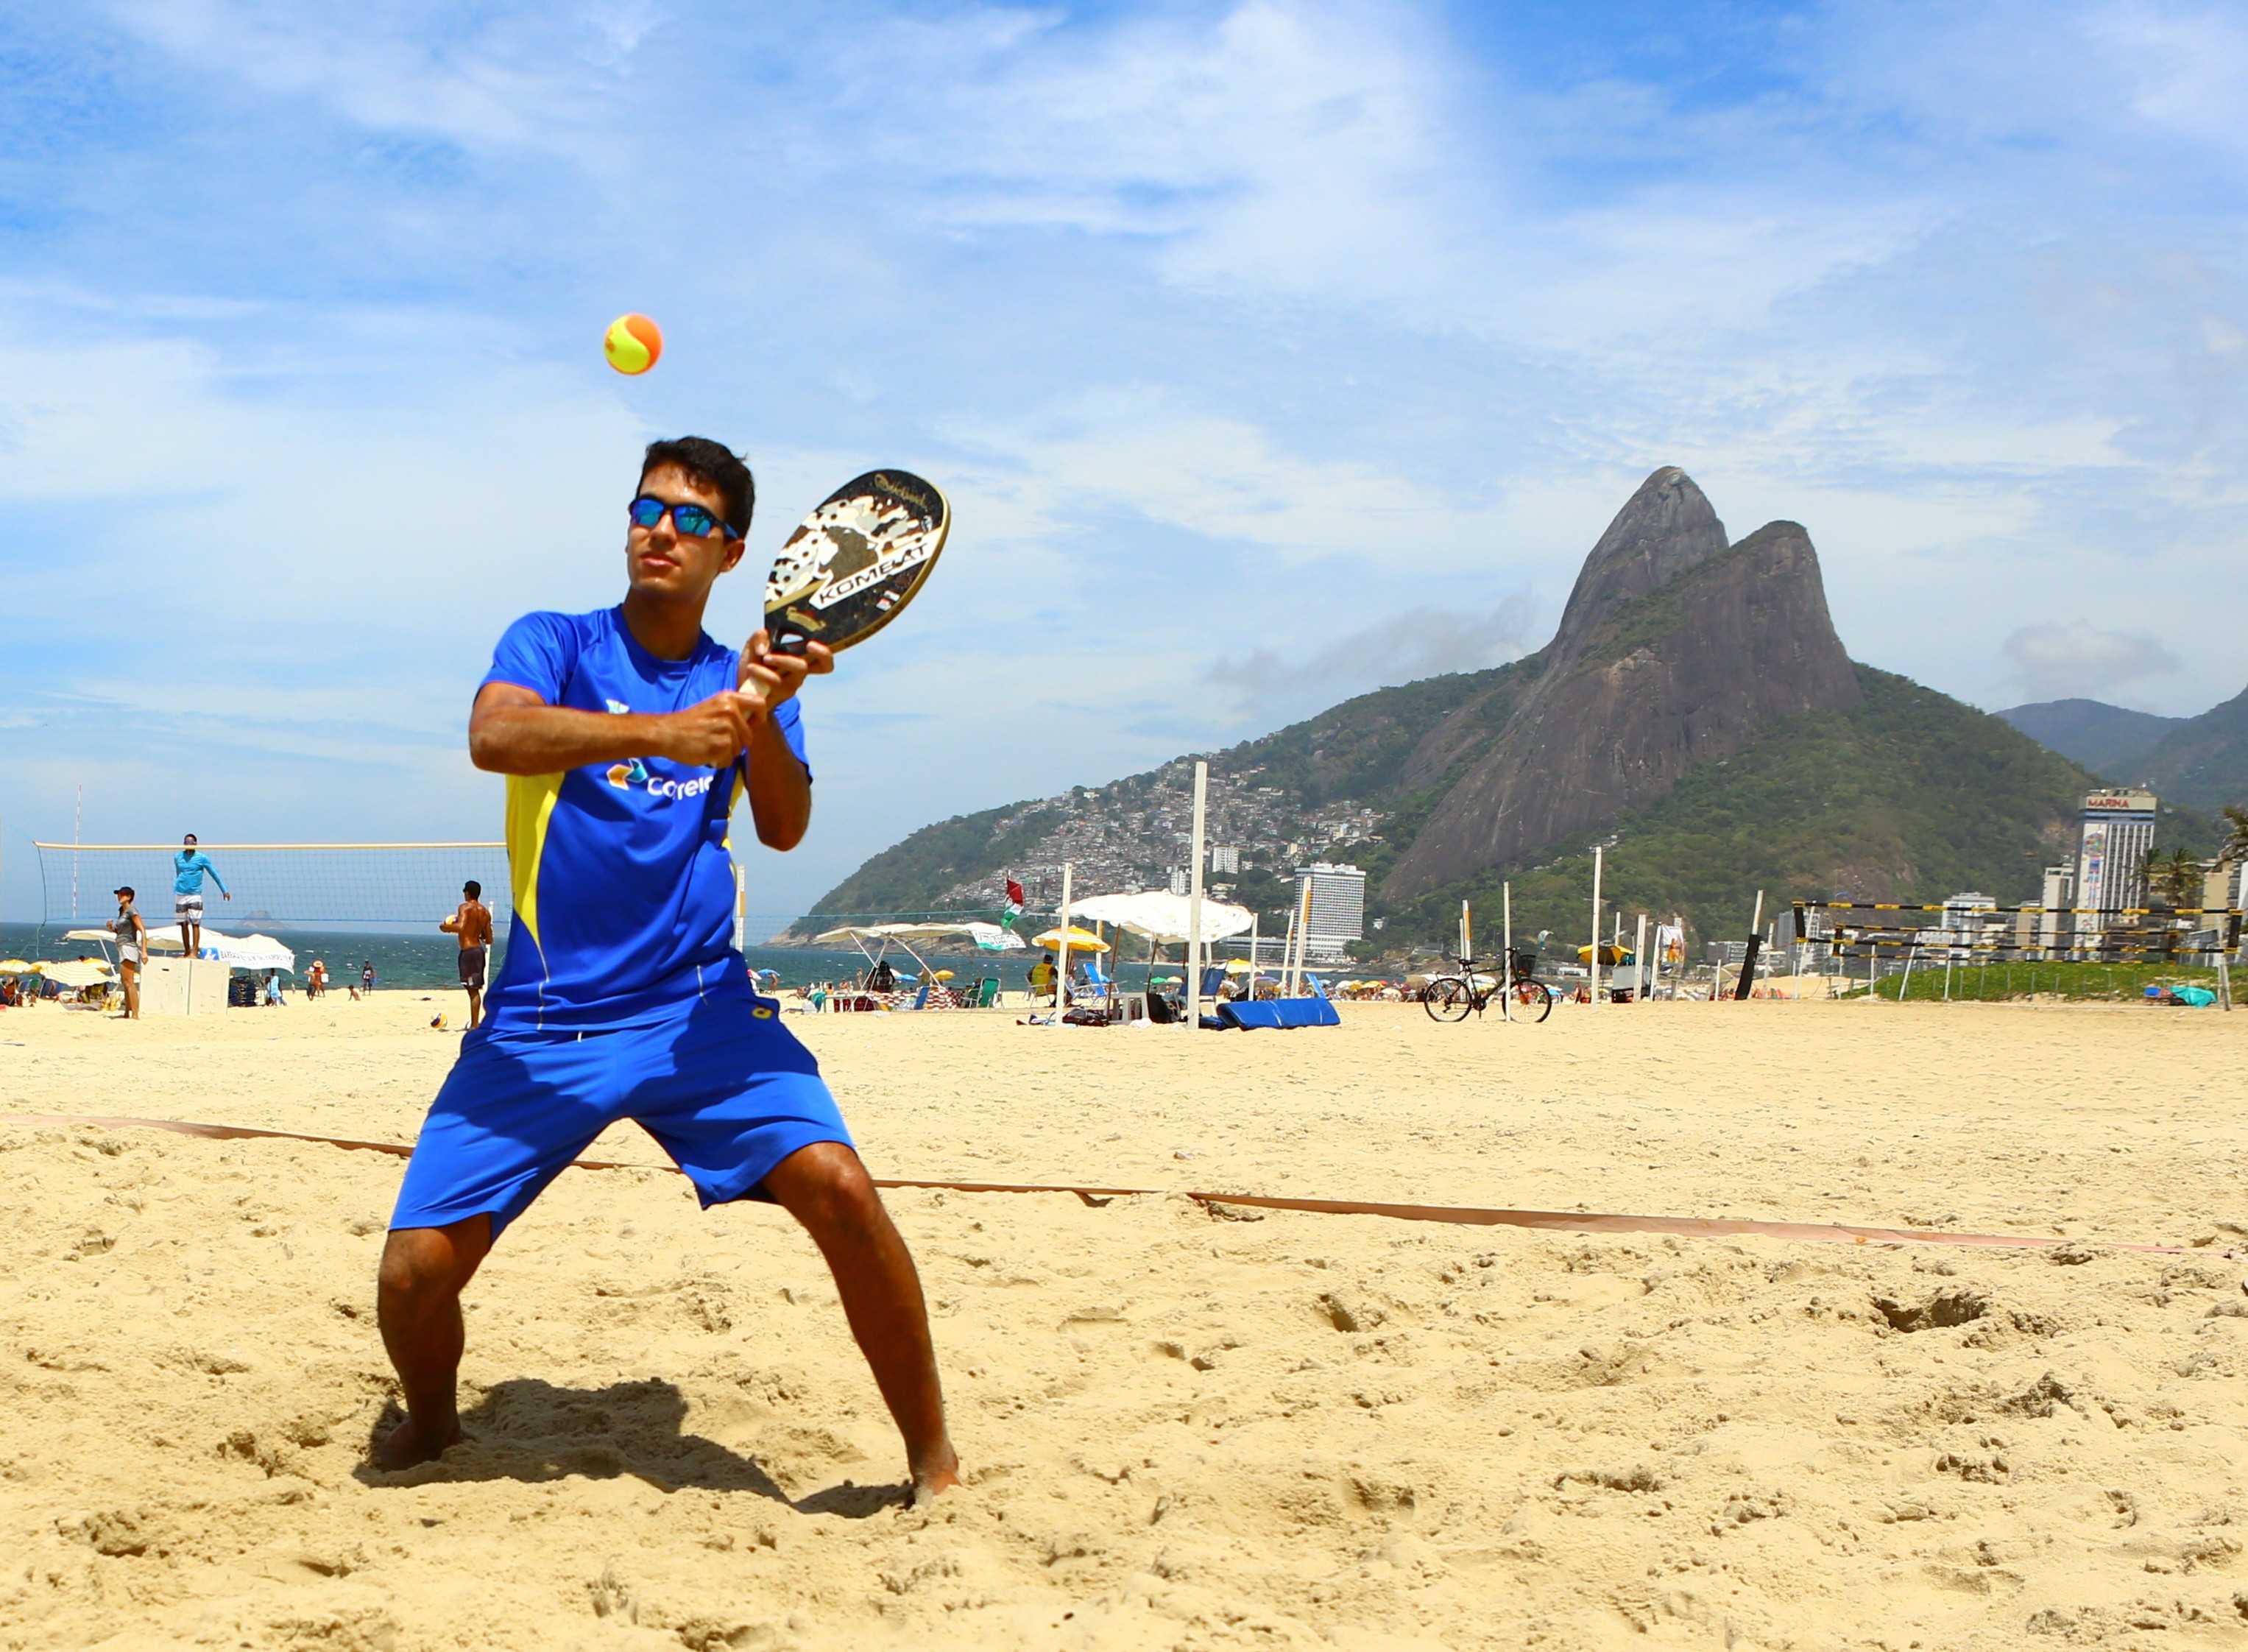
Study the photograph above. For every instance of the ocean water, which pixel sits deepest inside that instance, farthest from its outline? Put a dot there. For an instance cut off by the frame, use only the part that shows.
(425, 961)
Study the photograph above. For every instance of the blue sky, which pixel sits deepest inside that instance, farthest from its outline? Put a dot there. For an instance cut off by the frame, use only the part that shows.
(1269, 352)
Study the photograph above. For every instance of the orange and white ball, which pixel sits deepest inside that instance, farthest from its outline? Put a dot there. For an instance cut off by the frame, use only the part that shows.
(634, 344)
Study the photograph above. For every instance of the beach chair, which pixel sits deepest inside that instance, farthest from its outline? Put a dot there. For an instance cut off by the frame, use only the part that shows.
(1213, 977)
(986, 993)
(1095, 985)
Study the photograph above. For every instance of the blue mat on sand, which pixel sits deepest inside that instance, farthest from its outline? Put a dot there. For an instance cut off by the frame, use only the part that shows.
(1276, 1013)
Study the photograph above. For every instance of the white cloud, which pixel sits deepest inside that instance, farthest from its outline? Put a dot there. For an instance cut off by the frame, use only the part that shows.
(2063, 661)
(499, 79)
(1227, 326)
(1400, 648)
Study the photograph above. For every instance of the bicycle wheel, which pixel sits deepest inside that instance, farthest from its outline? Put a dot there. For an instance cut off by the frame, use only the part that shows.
(1447, 999)
(1533, 1001)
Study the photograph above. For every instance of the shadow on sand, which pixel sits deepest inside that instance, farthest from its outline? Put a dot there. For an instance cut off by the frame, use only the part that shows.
(532, 1431)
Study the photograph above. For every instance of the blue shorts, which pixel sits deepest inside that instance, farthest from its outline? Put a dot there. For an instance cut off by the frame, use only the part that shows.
(726, 1090)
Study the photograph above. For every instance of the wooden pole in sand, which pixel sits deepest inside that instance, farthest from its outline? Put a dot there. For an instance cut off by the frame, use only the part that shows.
(1061, 952)
(1193, 898)
(1596, 927)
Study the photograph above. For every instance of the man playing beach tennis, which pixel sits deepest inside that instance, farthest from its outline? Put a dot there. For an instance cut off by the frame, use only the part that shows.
(189, 866)
(628, 736)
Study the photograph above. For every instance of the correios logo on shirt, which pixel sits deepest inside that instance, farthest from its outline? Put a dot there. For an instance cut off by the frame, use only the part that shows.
(634, 776)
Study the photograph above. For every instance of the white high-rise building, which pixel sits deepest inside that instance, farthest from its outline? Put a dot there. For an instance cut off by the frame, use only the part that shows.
(1338, 908)
(1225, 857)
(2115, 835)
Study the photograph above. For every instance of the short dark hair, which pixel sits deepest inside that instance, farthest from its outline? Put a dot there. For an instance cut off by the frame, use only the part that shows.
(714, 465)
(472, 888)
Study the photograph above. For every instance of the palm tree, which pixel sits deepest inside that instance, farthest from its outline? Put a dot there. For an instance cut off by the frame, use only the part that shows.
(2234, 847)
(2175, 880)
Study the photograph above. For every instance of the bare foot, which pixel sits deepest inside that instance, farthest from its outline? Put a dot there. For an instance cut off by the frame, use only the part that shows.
(403, 1447)
(928, 1484)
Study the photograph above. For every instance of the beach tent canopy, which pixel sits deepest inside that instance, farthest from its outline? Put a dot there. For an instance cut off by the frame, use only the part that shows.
(1079, 940)
(251, 952)
(16, 966)
(1162, 916)
(235, 951)
(988, 936)
(87, 934)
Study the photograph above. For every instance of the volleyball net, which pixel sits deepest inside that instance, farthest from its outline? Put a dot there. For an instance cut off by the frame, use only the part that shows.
(1898, 933)
(370, 888)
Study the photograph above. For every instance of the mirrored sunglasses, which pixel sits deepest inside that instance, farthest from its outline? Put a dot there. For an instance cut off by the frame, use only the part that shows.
(694, 520)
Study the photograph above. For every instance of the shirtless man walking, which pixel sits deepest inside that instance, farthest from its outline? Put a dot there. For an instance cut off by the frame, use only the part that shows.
(628, 736)
(473, 924)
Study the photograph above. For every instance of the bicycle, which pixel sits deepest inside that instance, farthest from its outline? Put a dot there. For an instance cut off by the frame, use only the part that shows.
(1448, 997)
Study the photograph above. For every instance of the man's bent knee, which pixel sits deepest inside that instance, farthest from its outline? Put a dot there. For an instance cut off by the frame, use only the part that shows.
(439, 1261)
(825, 1183)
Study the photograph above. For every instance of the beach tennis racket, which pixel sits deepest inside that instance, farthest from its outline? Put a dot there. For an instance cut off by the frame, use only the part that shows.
(853, 564)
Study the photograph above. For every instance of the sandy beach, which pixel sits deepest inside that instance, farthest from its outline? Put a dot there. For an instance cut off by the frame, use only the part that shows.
(1185, 1426)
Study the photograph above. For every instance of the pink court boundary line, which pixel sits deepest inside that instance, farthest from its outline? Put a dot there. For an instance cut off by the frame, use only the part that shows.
(1465, 1216)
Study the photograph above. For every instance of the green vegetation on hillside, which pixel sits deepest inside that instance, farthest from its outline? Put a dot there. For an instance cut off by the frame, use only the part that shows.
(2203, 761)
(1910, 796)
(1358, 749)
(908, 876)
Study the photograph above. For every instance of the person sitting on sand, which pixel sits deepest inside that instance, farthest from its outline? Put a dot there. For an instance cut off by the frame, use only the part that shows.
(628, 736)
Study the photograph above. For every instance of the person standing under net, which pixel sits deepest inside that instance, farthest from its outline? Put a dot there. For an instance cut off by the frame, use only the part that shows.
(132, 948)
(472, 923)
(189, 866)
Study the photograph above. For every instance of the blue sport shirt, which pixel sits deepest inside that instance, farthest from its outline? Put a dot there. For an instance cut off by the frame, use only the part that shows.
(188, 868)
(622, 873)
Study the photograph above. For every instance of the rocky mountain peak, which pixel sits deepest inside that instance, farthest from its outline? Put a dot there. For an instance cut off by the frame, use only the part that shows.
(1676, 649)
(1665, 528)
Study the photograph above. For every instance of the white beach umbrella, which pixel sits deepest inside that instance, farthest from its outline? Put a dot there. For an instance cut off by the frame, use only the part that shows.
(1162, 917)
